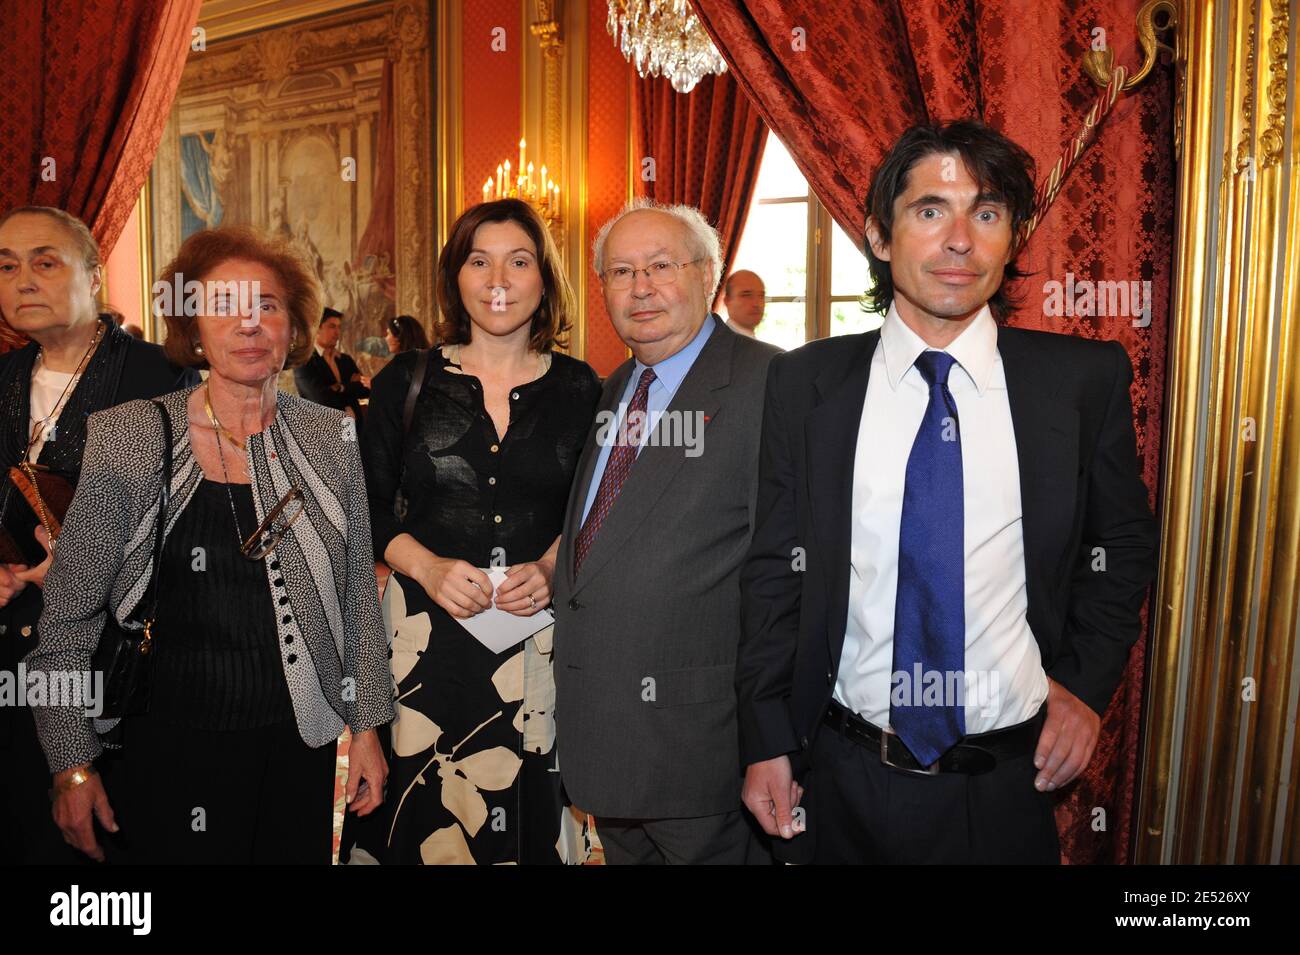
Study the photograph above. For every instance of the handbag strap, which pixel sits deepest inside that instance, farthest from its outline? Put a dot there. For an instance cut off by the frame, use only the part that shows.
(413, 392)
(164, 499)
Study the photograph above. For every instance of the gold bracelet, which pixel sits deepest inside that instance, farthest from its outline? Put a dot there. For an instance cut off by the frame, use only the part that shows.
(76, 779)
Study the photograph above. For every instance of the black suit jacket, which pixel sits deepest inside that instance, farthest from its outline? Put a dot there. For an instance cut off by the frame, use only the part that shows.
(1080, 488)
(315, 382)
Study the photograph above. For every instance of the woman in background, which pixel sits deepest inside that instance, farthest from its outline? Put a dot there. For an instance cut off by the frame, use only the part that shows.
(77, 361)
(481, 480)
(404, 333)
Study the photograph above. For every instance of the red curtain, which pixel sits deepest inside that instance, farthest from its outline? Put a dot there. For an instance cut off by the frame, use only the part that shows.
(85, 89)
(839, 81)
(706, 146)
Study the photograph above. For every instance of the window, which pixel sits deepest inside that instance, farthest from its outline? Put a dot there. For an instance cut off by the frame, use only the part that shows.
(813, 286)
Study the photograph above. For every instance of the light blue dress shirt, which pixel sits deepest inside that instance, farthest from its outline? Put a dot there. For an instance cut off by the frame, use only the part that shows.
(669, 375)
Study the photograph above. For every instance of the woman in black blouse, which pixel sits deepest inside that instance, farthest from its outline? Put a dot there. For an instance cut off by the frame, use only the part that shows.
(479, 481)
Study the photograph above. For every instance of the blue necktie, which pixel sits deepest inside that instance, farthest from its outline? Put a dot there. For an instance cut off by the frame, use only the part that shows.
(930, 612)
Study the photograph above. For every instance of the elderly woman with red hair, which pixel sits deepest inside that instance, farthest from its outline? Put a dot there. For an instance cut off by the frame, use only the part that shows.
(266, 632)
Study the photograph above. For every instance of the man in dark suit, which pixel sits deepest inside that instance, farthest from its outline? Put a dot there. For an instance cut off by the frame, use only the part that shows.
(330, 377)
(953, 544)
(647, 599)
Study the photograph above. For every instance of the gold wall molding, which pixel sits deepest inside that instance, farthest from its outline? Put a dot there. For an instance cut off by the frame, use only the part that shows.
(450, 123)
(553, 108)
(1220, 765)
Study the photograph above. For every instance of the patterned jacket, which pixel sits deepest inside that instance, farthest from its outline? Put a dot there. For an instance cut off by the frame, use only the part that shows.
(321, 574)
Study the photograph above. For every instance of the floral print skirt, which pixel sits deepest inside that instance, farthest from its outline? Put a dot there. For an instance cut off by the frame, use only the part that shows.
(472, 770)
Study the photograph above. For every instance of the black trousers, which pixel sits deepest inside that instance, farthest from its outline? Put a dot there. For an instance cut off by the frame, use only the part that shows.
(245, 797)
(860, 811)
(729, 838)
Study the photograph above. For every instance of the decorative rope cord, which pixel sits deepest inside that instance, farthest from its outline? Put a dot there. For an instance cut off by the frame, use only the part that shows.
(1051, 186)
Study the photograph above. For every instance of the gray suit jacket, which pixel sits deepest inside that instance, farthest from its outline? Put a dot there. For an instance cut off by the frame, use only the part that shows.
(646, 637)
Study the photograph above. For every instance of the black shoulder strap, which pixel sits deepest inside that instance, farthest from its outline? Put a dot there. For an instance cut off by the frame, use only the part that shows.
(413, 392)
(164, 499)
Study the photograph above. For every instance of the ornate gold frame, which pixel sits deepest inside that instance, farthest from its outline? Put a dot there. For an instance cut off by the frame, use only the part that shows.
(398, 30)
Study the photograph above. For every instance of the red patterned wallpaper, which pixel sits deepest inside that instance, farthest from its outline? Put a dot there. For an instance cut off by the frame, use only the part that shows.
(491, 119)
(608, 91)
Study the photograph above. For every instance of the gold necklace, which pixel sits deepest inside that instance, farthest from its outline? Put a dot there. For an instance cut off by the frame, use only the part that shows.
(212, 416)
(37, 428)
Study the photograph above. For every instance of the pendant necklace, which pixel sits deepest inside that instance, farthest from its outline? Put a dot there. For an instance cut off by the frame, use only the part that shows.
(221, 431)
(38, 425)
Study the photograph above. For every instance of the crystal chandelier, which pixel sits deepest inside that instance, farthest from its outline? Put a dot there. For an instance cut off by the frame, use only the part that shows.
(664, 38)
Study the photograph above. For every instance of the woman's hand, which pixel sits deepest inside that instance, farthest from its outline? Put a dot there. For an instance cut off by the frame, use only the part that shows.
(36, 575)
(524, 581)
(367, 772)
(11, 585)
(15, 577)
(76, 809)
(456, 586)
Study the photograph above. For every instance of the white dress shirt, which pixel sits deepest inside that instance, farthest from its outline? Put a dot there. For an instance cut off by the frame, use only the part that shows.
(331, 361)
(1004, 680)
(741, 329)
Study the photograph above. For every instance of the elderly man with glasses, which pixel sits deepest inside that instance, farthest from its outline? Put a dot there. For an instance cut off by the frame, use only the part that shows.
(647, 596)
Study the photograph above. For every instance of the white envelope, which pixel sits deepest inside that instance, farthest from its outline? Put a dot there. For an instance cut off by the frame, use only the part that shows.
(498, 630)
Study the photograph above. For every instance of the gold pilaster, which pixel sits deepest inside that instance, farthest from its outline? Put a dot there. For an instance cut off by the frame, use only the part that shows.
(1220, 757)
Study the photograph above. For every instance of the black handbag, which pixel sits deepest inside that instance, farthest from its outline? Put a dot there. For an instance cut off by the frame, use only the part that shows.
(125, 656)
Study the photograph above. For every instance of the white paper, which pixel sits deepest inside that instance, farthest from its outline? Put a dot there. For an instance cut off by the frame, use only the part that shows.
(500, 630)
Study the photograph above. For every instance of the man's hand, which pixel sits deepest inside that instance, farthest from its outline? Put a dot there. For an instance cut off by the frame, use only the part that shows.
(1067, 740)
(770, 794)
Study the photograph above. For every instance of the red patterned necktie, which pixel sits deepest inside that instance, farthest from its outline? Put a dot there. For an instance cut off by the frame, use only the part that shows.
(617, 467)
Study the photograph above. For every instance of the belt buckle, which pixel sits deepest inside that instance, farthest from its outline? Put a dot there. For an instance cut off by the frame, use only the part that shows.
(885, 733)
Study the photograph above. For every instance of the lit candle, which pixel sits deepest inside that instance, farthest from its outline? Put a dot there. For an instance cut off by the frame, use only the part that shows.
(487, 189)
(529, 179)
(522, 144)
(499, 180)
(545, 186)
(507, 179)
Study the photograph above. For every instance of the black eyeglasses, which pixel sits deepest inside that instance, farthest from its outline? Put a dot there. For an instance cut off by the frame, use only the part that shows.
(272, 530)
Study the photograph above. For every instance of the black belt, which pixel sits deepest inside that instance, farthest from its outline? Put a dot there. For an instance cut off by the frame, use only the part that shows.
(973, 755)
